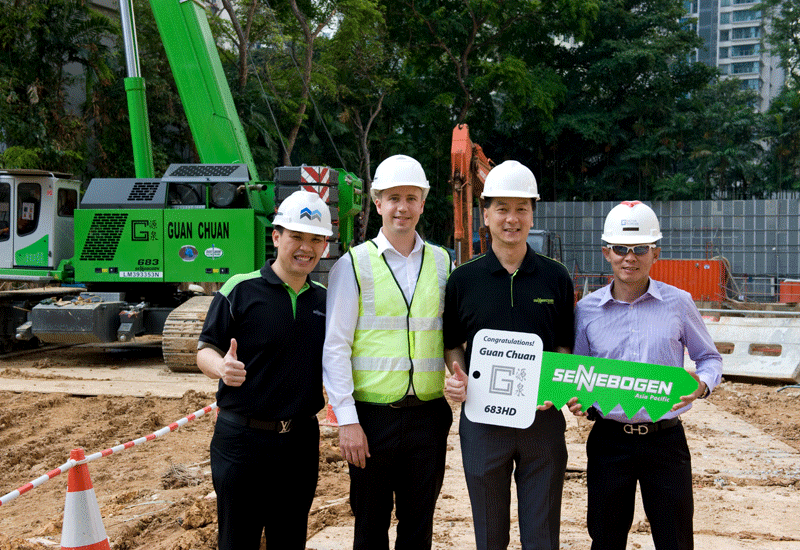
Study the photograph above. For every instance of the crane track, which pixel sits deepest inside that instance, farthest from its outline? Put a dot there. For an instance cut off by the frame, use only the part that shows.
(181, 332)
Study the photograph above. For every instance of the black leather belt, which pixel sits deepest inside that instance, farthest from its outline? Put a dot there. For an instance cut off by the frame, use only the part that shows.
(639, 428)
(408, 401)
(280, 426)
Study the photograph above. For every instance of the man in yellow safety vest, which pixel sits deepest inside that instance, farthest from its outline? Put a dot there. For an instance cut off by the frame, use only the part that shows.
(383, 366)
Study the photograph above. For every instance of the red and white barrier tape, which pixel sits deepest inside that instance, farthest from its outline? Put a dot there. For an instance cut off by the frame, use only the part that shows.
(72, 463)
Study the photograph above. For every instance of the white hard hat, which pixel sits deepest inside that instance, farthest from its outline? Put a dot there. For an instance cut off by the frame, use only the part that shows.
(399, 170)
(306, 212)
(631, 222)
(510, 179)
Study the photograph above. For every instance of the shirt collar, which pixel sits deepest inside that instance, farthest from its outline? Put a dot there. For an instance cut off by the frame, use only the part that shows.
(383, 243)
(652, 290)
(272, 278)
(528, 262)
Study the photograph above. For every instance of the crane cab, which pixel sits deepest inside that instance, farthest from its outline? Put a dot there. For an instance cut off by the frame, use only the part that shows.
(36, 222)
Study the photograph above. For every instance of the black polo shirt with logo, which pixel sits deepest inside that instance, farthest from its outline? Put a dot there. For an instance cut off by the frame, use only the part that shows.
(280, 348)
(538, 298)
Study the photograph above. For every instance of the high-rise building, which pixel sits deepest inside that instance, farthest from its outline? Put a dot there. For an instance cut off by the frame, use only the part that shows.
(733, 32)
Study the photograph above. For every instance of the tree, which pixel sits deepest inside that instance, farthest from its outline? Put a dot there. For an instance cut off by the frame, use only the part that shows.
(482, 48)
(724, 150)
(243, 32)
(783, 117)
(784, 37)
(782, 132)
(624, 82)
(39, 42)
(366, 67)
(485, 63)
(246, 61)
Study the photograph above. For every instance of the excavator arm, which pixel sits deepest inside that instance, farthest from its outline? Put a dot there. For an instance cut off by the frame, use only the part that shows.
(469, 167)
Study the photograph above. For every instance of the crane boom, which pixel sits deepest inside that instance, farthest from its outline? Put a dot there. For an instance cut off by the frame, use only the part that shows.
(202, 85)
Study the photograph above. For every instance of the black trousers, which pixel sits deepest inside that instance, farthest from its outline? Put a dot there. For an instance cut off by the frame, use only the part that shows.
(661, 464)
(405, 471)
(537, 459)
(265, 482)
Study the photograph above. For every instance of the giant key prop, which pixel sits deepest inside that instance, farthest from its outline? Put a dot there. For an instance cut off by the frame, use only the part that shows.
(510, 375)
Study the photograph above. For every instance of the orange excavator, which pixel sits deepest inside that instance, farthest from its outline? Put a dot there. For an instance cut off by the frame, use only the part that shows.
(469, 167)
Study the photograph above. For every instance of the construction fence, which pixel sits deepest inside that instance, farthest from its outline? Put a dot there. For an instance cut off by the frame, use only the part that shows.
(756, 241)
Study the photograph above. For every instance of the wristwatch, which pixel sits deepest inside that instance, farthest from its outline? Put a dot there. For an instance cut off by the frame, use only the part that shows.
(706, 392)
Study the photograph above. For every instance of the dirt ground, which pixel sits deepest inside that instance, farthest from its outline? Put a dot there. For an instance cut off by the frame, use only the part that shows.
(745, 444)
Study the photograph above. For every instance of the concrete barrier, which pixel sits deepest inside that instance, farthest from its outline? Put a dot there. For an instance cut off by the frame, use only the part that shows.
(758, 347)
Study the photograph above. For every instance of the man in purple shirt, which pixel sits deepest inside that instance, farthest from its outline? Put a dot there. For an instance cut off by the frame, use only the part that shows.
(638, 319)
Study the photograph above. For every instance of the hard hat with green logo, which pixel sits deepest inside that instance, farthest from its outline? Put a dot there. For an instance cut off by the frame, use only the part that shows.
(306, 212)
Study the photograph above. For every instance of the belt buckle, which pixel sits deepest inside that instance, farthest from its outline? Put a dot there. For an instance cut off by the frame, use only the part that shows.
(638, 429)
(286, 425)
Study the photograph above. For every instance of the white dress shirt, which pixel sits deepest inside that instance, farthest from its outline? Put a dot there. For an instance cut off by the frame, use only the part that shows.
(342, 315)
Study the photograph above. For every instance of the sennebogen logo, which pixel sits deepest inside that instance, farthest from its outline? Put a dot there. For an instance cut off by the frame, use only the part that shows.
(311, 214)
(588, 379)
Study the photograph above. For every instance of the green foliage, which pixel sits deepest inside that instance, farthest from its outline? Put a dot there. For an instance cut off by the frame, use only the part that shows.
(366, 69)
(676, 187)
(21, 157)
(725, 146)
(784, 37)
(624, 82)
(596, 96)
(38, 41)
(783, 136)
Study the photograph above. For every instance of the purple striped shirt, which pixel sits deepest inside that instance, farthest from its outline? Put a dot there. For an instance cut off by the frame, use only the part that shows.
(655, 328)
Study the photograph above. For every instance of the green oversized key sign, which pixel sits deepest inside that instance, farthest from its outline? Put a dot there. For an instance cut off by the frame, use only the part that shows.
(510, 374)
(610, 382)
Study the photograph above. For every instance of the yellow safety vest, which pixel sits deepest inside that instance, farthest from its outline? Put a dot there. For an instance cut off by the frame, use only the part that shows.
(396, 344)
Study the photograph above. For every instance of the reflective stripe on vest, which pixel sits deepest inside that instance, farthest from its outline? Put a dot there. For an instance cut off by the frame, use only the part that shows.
(392, 339)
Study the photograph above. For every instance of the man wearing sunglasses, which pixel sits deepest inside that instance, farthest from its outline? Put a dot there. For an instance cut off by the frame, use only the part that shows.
(638, 319)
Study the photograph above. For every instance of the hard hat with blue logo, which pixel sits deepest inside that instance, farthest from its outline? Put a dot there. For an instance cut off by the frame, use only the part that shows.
(306, 212)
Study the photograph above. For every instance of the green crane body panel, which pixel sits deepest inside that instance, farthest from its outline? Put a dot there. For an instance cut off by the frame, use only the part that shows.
(210, 245)
(168, 246)
(350, 202)
(34, 255)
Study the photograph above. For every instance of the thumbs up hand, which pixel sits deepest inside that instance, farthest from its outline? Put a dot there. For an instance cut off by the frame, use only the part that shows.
(456, 385)
(232, 370)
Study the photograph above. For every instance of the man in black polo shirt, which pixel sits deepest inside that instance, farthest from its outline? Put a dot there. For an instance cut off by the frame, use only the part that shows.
(265, 449)
(510, 288)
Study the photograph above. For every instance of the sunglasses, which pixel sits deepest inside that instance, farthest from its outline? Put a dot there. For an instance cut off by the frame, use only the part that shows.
(639, 249)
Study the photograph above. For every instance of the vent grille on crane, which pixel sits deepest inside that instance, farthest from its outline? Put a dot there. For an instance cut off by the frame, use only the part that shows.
(143, 190)
(103, 238)
(207, 173)
(201, 170)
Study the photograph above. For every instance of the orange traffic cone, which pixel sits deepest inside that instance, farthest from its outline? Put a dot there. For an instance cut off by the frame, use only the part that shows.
(83, 526)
